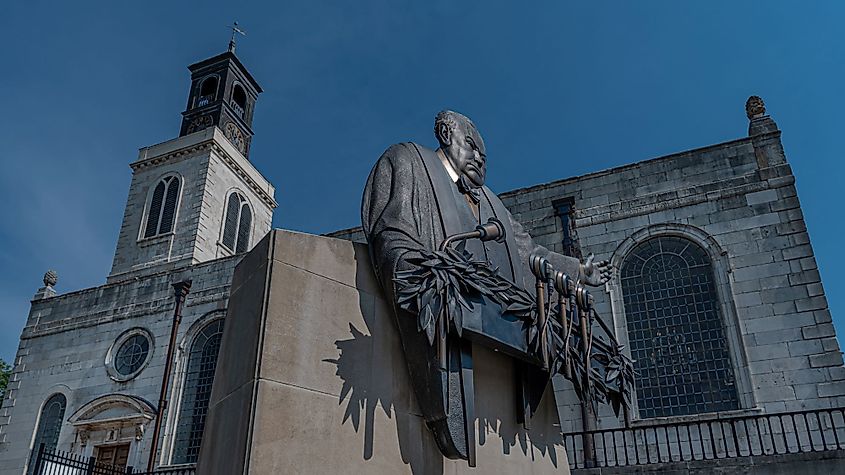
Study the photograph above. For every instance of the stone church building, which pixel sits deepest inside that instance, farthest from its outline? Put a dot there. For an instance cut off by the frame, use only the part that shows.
(717, 294)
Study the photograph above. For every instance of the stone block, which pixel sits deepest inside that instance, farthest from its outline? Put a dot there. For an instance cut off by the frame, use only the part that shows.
(774, 282)
(777, 336)
(799, 239)
(784, 308)
(830, 344)
(806, 391)
(764, 196)
(818, 331)
(836, 388)
(791, 228)
(785, 204)
(797, 252)
(760, 311)
(779, 323)
(755, 259)
(761, 271)
(768, 352)
(751, 299)
(837, 373)
(804, 347)
(775, 393)
(812, 303)
(805, 277)
(815, 289)
(760, 367)
(783, 294)
(831, 358)
(822, 316)
(774, 243)
(806, 376)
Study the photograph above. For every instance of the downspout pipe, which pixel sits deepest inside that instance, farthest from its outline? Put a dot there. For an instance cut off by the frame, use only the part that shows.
(180, 292)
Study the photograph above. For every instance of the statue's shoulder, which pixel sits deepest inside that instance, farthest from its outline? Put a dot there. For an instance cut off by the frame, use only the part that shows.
(406, 150)
(405, 154)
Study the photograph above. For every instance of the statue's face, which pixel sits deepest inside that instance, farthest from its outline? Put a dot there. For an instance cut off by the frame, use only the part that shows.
(464, 148)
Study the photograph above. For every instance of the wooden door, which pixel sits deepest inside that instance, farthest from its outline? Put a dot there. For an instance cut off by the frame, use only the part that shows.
(116, 455)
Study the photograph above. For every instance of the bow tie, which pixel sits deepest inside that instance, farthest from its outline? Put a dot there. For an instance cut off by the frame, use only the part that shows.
(464, 187)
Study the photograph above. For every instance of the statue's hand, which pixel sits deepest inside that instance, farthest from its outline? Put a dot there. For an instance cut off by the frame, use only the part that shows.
(596, 273)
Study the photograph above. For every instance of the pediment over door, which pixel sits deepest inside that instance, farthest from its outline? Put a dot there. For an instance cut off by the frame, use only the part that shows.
(113, 411)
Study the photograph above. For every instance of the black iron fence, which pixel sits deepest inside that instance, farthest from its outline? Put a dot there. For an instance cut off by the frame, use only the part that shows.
(57, 462)
(726, 437)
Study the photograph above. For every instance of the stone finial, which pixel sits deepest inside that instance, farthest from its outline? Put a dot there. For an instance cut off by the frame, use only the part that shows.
(755, 107)
(50, 278)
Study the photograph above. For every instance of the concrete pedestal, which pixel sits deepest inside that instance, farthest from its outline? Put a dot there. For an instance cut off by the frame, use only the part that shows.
(312, 379)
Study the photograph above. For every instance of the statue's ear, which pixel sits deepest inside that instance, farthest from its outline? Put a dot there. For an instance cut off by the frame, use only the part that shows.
(444, 134)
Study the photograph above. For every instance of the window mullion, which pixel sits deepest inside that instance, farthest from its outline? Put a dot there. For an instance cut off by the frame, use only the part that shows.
(163, 205)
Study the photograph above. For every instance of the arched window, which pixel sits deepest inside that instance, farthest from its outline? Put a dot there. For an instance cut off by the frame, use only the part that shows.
(202, 361)
(237, 224)
(239, 100)
(675, 330)
(162, 211)
(208, 91)
(49, 424)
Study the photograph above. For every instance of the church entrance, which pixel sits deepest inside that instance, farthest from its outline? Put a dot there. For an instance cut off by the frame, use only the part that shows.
(115, 455)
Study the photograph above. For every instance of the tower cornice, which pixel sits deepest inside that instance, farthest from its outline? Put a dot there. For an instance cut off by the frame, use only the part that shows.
(214, 140)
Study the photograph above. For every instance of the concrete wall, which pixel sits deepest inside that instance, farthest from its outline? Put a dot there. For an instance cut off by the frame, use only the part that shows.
(313, 379)
(64, 345)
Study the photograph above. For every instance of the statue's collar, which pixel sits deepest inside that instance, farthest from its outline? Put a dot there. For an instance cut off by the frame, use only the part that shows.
(448, 166)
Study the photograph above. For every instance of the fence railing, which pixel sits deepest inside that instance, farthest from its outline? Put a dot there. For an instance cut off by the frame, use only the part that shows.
(57, 462)
(761, 434)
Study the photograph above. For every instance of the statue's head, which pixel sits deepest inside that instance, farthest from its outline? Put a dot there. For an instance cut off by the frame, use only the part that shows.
(462, 145)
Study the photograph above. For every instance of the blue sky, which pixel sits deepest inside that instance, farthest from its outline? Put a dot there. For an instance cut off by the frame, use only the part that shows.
(557, 88)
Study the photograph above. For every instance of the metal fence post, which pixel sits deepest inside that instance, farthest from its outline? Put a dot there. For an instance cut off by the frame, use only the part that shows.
(92, 462)
(39, 459)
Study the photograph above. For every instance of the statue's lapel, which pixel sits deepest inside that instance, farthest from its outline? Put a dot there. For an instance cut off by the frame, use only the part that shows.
(442, 186)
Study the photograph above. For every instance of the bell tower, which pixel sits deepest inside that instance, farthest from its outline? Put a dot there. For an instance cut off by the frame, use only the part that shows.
(222, 94)
(197, 197)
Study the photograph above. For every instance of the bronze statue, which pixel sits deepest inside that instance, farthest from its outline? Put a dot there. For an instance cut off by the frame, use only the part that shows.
(415, 198)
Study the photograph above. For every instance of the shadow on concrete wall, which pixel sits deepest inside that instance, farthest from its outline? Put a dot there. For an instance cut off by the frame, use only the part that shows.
(366, 392)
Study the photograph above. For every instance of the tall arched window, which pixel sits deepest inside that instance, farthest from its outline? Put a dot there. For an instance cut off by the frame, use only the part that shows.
(202, 361)
(162, 211)
(675, 330)
(237, 224)
(49, 424)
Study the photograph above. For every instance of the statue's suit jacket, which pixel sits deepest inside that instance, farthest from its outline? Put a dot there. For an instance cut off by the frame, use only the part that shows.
(410, 203)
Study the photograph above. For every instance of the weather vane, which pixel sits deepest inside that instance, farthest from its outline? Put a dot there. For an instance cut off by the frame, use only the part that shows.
(235, 30)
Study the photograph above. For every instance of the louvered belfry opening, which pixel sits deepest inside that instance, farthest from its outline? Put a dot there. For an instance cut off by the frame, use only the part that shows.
(238, 223)
(208, 91)
(239, 100)
(162, 212)
(676, 330)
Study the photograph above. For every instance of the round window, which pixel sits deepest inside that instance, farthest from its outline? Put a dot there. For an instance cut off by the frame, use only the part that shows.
(129, 354)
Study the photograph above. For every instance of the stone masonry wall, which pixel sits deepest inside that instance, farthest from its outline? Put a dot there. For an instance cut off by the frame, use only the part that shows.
(210, 169)
(64, 345)
(738, 200)
(133, 253)
(220, 182)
